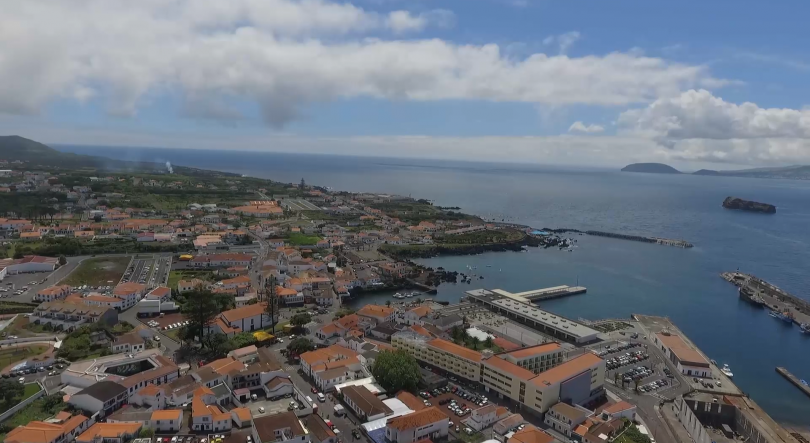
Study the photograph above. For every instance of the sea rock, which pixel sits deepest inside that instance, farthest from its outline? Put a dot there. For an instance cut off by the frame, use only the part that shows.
(652, 168)
(747, 205)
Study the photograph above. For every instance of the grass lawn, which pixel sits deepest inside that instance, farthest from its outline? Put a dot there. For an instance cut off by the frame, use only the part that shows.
(30, 389)
(13, 355)
(97, 272)
(40, 409)
(477, 437)
(298, 239)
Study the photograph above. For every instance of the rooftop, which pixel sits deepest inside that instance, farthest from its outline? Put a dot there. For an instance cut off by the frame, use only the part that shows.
(455, 349)
(566, 370)
(417, 419)
(685, 353)
(365, 400)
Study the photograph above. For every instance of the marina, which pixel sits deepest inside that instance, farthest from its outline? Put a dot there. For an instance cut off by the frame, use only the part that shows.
(799, 383)
(782, 306)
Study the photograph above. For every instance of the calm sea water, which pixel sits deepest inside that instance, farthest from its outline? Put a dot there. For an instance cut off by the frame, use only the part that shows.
(622, 277)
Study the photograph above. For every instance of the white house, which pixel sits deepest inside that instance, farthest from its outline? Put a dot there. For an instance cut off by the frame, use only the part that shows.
(486, 416)
(53, 293)
(104, 397)
(167, 420)
(429, 423)
(416, 316)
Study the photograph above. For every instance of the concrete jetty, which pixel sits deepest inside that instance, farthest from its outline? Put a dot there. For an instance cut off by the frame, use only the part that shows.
(656, 240)
(793, 379)
(542, 294)
(773, 296)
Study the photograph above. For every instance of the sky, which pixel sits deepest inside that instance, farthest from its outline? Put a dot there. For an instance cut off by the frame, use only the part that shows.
(695, 84)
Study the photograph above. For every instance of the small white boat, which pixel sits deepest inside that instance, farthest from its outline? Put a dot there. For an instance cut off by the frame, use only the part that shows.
(727, 371)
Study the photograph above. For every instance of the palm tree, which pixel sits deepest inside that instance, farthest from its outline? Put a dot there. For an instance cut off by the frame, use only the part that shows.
(476, 342)
(488, 342)
(388, 303)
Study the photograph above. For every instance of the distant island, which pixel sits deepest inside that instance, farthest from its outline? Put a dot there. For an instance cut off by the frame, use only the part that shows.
(652, 168)
(796, 172)
(747, 205)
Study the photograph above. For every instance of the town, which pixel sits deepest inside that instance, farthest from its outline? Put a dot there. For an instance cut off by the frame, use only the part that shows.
(177, 307)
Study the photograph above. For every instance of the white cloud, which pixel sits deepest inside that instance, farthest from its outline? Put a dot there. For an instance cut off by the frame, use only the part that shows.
(285, 55)
(578, 126)
(565, 41)
(403, 21)
(696, 125)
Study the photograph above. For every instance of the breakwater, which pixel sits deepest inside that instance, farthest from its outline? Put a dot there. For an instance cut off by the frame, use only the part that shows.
(801, 384)
(656, 240)
(772, 295)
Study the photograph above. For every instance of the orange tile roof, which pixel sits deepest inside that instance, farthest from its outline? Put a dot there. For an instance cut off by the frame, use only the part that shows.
(128, 288)
(54, 290)
(348, 321)
(222, 366)
(417, 419)
(244, 312)
(198, 408)
(167, 414)
(500, 411)
(103, 299)
(41, 432)
(160, 291)
(504, 344)
(375, 311)
(682, 350)
(567, 370)
(421, 311)
(236, 280)
(150, 390)
(618, 407)
(410, 401)
(532, 351)
(453, 348)
(421, 330)
(243, 414)
(531, 434)
(109, 430)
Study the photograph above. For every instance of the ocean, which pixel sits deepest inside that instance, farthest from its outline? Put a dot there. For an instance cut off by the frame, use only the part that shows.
(622, 277)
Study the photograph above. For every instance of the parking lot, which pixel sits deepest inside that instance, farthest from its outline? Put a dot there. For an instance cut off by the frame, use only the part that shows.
(265, 406)
(455, 401)
(148, 270)
(297, 204)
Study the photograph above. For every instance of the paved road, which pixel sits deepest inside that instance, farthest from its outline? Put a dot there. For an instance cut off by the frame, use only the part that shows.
(51, 279)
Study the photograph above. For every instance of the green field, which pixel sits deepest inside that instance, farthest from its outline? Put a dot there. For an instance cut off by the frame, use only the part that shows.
(30, 389)
(97, 272)
(40, 409)
(14, 355)
(298, 239)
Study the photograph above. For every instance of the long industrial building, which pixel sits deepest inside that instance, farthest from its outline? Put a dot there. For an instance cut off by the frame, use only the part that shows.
(534, 378)
(525, 312)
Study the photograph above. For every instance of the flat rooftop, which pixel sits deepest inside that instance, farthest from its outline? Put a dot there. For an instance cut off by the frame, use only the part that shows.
(531, 312)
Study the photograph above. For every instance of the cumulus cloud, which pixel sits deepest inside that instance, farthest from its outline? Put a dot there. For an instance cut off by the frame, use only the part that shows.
(578, 126)
(565, 41)
(403, 21)
(697, 125)
(285, 55)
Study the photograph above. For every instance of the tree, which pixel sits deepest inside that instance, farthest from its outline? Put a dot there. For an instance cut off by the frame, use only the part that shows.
(201, 308)
(388, 303)
(217, 345)
(396, 370)
(476, 342)
(11, 391)
(300, 319)
(488, 342)
(456, 333)
(62, 260)
(146, 433)
(271, 308)
(300, 345)
(303, 183)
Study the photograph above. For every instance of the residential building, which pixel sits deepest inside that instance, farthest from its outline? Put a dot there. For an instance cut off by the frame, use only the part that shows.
(531, 434)
(447, 322)
(104, 397)
(208, 417)
(621, 409)
(221, 260)
(190, 285)
(241, 417)
(130, 292)
(247, 318)
(686, 358)
(280, 427)
(151, 396)
(461, 361)
(161, 293)
(416, 316)
(130, 342)
(53, 293)
(68, 316)
(537, 358)
(310, 360)
(167, 420)
(564, 418)
(104, 301)
(61, 429)
(364, 403)
(429, 423)
(319, 431)
(110, 432)
(486, 416)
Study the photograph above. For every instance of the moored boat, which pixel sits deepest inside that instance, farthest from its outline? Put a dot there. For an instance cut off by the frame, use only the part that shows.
(727, 371)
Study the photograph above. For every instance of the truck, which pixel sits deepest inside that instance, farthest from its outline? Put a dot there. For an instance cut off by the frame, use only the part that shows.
(339, 410)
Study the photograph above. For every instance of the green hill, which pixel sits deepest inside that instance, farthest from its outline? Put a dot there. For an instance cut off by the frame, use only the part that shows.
(16, 148)
(652, 168)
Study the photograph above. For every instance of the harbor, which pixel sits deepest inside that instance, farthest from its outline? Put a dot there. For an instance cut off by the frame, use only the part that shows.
(639, 238)
(799, 383)
(782, 305)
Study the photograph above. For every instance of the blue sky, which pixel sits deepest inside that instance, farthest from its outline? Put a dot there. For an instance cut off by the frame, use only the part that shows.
(597, 82)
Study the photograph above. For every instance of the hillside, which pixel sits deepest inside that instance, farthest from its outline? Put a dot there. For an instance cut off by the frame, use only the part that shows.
(16, 148)
(652, 168)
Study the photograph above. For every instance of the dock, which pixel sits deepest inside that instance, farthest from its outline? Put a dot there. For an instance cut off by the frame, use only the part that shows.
(543, 294)
(773, 296)
(656, 240)
(793, 379)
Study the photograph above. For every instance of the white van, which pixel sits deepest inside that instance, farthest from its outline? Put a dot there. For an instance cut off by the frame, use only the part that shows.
(321, 397)
(309, 400)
